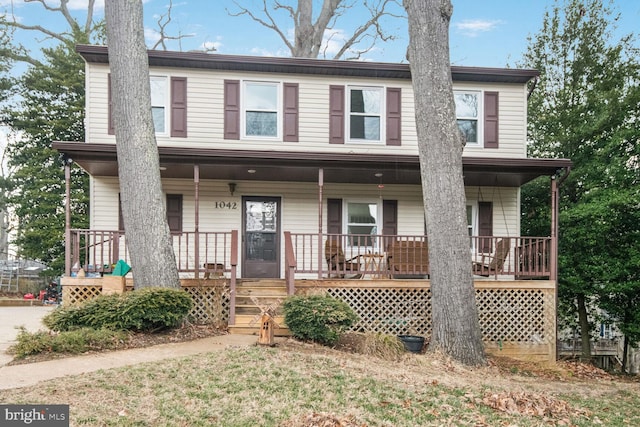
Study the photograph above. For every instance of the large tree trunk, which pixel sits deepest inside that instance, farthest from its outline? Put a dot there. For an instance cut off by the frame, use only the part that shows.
(456, 329)
(585, 329)
(143, 211)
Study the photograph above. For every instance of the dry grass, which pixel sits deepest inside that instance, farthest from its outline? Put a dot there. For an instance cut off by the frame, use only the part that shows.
(302, 385)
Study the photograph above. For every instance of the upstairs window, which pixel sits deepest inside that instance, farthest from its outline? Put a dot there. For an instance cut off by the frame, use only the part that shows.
(261, 109)
(365, 113)
(168, 106)
(159, 103)
(467, 114)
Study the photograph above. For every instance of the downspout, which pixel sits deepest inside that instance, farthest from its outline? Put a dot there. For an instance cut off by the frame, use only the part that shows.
(196, 243)
(320, 195)
(67, 216)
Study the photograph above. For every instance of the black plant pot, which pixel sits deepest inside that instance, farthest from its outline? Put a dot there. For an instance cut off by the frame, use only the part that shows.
(412, 343)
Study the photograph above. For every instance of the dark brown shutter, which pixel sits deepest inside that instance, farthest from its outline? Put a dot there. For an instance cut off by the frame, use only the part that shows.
(334, 216)
(389, 221)
(485, 225)
(179, 107)
(336, 114)
(231, 109)
(394, 101)
(290, 112)
(110, 129)
(174, 212)
(491, 120)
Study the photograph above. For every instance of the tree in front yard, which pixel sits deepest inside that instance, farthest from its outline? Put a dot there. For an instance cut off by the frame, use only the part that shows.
(46, 104)
(456, 328)
(143, 210)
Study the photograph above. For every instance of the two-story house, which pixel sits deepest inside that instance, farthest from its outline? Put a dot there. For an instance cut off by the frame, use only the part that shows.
(266, 161)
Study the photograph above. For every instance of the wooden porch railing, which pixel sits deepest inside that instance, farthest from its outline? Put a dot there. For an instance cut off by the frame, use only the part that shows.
(97, 251)
(491, 256)
(323, 256)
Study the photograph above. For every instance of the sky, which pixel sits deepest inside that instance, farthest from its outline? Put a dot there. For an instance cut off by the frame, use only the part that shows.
(483, 33)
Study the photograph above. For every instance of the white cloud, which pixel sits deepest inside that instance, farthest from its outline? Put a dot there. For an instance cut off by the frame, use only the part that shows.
(474, 27)
(82, 5)
(284, 53)
(211, 46)
(151, 36)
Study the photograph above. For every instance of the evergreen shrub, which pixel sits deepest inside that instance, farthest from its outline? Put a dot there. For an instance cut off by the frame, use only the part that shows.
(148, 309)
(318, 318)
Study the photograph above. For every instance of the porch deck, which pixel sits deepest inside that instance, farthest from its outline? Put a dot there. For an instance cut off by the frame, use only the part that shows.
(517, 314)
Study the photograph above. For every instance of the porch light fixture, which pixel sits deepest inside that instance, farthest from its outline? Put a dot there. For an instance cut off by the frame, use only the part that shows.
(232, 187)
(251, 170)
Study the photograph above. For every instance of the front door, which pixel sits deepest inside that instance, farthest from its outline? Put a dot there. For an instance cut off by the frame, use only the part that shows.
(261, 237)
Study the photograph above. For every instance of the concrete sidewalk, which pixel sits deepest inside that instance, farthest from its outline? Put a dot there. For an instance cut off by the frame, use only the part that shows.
(32, 373)
(13, 317)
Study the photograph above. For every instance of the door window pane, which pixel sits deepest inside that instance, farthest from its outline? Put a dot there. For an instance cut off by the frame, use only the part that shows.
(261, 216)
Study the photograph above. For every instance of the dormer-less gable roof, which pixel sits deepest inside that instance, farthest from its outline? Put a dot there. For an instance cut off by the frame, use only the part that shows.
(265, 64)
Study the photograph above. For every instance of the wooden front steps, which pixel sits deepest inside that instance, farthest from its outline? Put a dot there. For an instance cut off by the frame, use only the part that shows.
(266, 293)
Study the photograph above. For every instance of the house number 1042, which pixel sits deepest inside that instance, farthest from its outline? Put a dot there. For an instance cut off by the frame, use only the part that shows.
(225, 205)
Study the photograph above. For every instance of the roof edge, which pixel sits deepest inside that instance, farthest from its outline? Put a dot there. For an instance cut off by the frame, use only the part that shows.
(99, 54)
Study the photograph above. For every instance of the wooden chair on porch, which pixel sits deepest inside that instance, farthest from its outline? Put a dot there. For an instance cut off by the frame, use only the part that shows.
(493, 264)
(337, 262)
(408, 259)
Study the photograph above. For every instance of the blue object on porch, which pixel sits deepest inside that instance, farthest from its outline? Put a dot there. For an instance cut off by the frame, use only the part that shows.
(121, 268)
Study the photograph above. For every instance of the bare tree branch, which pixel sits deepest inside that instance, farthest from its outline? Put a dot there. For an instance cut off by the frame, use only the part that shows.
(377, 12)
(309, 37)
(271, 24)
(163, 21)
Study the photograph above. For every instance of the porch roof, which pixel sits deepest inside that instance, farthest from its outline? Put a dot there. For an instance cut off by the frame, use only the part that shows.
(101, 160)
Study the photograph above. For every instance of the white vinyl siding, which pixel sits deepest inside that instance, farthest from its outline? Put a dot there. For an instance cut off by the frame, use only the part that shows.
(205, 113)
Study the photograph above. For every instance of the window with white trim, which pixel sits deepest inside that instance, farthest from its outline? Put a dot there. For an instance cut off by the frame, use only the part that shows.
(468, 113)
(261, 109)
(159, 102)
(366, 110)
(362, 223)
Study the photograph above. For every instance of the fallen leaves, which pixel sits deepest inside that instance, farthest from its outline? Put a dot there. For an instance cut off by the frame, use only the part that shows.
(316, 419)
(532, 404)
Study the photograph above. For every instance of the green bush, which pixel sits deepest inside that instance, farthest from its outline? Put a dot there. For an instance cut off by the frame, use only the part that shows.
(318, 318)
(147, 309)
(75, 342)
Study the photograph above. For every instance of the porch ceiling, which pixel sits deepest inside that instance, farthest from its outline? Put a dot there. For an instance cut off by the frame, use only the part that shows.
(101, 160)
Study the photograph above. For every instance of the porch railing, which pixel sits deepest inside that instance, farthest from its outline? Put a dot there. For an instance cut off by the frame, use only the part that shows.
(97, 251)
(491, 256)
(314, 255)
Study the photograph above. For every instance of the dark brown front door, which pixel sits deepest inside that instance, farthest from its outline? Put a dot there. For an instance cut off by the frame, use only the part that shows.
(261, 237)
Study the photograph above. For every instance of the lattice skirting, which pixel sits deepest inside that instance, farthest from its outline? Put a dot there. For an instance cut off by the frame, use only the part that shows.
(507, 316)
(211, 303)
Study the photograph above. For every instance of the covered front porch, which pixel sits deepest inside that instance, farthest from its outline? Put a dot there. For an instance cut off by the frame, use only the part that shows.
(382, 273)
